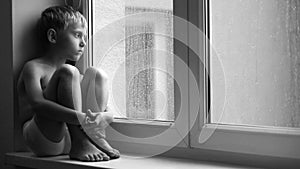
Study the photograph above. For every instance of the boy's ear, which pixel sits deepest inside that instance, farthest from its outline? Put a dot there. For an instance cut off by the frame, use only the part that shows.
(51, 35)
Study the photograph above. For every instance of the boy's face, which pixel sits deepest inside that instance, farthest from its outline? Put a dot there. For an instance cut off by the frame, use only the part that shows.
(71, 41)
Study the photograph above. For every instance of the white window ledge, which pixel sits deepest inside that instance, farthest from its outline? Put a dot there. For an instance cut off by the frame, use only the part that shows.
(28, 160)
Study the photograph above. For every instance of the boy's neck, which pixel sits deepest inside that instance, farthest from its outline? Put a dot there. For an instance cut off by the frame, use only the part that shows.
(54, 58)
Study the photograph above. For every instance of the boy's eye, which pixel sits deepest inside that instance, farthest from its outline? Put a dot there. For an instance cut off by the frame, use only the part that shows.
(77, 35)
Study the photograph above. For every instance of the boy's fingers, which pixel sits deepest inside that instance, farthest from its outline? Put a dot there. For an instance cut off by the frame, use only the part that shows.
(89, 112)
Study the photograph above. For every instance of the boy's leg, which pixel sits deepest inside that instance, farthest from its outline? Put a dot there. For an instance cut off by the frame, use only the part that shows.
(95, 97)
(64, 88)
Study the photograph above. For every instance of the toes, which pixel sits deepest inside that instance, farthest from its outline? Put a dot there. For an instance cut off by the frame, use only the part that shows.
(91, 157)
(103, 145)
(85, 158)
(105, 157)
(100, 157)
(97, 158)
(114, 154)
(117, 153)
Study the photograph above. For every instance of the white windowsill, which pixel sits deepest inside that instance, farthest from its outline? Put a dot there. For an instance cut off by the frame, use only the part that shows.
(285, 131)
(26, 159)
(142, 122)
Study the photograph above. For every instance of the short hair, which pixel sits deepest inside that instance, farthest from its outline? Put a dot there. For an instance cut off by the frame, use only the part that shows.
(58, 18)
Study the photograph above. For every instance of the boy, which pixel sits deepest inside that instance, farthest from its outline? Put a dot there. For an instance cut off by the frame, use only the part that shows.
(52, 94)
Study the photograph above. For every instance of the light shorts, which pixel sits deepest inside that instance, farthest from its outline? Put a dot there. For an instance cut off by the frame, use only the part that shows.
(40, 145)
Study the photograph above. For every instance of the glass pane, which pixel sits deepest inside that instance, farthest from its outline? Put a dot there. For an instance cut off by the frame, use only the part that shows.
(258, 45)
(138, 90)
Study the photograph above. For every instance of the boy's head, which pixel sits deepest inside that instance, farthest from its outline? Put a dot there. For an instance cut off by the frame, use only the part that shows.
(58, 18)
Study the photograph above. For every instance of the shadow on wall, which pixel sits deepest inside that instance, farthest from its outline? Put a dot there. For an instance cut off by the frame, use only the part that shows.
(32, 49)
(25, 47)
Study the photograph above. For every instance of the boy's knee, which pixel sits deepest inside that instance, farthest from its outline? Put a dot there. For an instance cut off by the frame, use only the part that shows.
(99, 74)
(67, 70)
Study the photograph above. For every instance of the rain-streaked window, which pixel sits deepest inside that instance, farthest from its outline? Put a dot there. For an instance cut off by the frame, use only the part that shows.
(257, 49)
(140, 63)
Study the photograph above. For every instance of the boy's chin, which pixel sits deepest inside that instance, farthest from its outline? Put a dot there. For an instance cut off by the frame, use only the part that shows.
(75, 58)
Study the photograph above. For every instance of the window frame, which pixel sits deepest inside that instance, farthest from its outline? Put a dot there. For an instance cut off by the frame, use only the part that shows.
(256, 140)
(137, 126)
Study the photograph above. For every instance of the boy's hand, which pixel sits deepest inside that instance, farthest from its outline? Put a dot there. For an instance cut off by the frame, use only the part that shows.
(98, 119)
(92, 115)
(96, 122)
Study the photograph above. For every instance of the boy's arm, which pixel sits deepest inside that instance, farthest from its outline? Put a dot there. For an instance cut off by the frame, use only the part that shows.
(43, 106)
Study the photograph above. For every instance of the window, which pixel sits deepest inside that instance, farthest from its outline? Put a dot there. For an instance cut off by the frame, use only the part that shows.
(195, 95)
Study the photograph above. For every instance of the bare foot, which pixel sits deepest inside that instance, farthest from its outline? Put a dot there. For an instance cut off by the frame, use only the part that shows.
(103, 145)
(97, 135)
(82, 148)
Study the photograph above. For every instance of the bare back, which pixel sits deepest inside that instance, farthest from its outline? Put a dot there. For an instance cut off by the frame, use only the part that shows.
(32, 81)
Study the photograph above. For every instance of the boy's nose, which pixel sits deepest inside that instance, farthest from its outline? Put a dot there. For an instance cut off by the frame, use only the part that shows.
(82, 44)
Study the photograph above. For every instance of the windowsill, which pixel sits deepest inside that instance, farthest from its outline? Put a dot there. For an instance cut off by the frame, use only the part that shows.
(27, 160)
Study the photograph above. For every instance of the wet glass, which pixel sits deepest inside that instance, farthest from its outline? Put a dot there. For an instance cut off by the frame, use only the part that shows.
(138, 90)
(257, 44)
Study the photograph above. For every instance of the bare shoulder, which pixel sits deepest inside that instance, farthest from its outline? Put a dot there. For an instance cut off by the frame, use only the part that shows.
(32, 67)
(32, 64)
